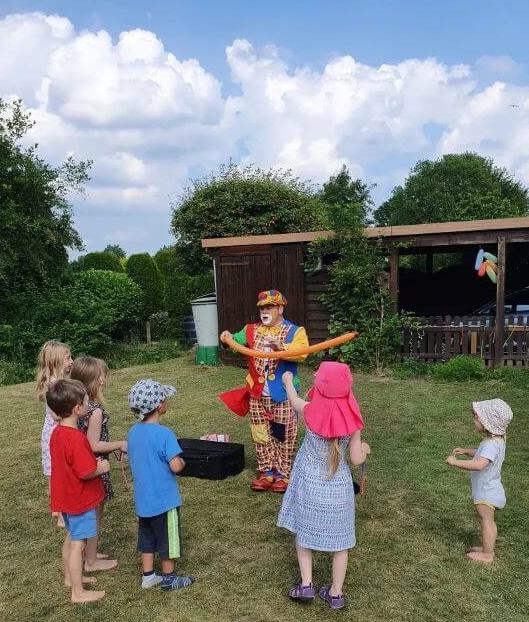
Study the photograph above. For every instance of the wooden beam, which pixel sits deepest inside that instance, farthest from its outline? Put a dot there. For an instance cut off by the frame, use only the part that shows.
(432, 234)
(500, 303)
(394, 277)
(458, 239)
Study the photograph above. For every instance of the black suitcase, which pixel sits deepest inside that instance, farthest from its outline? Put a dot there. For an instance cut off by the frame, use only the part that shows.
(211, 460)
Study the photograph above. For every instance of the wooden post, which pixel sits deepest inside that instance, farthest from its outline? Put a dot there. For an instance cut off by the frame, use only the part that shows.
(148, 332)
(394, 277)
(500, 303)
(429, 262)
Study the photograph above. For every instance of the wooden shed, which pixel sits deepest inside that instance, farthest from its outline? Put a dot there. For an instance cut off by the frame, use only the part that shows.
(246, 265)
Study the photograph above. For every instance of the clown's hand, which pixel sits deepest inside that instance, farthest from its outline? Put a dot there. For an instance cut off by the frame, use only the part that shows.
(225, 335)
(274, 343)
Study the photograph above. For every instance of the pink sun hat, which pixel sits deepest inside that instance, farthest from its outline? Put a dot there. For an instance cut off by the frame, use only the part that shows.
(333, 410)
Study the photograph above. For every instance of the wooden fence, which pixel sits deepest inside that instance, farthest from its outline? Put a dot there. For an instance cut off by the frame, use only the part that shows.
(438, 339)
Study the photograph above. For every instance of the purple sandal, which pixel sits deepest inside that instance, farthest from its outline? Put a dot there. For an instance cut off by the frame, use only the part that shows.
(334, 602)
(303, 593)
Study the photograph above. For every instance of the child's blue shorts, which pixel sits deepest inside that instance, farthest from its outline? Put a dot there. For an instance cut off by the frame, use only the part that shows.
(81, 526)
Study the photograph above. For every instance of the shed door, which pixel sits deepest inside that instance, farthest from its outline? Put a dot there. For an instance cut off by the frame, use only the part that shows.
(242, 272)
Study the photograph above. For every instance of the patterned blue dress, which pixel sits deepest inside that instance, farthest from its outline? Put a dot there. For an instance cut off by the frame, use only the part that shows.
(318, 510)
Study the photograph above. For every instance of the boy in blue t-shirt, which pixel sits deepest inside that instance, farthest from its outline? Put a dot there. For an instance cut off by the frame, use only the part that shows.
(154, 452)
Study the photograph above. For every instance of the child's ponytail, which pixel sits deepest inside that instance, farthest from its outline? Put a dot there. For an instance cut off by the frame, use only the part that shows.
(334, 457)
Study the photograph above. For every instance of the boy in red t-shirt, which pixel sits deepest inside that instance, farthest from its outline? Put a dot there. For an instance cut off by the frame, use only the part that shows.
(76, 488)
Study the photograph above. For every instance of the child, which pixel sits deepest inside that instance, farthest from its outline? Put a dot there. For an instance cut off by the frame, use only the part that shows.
(491, 419)
(76, 488)
(54, 362)
(318, 506)
(154, 461)
(93, 374)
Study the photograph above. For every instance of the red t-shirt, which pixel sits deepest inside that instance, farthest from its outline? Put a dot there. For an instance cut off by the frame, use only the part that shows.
(72, 459)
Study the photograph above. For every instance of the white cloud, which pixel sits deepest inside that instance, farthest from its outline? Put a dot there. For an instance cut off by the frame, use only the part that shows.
(149, 120)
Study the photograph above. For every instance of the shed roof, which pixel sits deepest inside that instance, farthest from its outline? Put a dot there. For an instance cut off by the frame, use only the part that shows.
(401, 232)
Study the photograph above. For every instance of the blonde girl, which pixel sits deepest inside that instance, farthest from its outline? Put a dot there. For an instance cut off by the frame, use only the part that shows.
(318, 506)
(491, 418)
(54, 363)
(93, 373)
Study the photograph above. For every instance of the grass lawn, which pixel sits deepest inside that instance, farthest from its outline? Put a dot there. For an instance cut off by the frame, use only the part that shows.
(413, 525)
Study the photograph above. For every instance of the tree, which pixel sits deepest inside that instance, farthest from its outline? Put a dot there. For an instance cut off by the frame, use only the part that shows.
(143, 270)
(236, 202)
(358, 296)
(116, 250)
(353, 194)
(463, 186)
(36, 227)
(100, 260)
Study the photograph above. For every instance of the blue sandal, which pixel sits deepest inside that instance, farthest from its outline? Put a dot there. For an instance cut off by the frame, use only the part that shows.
(334, 602)
(303, 593)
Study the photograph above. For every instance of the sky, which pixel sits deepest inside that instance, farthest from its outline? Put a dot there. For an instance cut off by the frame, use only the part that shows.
(159, 93)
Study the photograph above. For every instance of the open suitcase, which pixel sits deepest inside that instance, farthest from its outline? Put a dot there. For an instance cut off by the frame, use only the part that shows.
(210, 459)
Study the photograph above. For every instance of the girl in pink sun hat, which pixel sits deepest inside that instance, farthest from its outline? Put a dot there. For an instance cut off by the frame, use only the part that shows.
(319, 505)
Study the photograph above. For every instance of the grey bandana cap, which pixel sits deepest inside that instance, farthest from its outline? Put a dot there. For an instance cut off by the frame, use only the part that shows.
(146, 395)
(495, 415)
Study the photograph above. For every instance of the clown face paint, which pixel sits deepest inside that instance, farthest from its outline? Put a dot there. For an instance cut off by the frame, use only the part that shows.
(271, 315)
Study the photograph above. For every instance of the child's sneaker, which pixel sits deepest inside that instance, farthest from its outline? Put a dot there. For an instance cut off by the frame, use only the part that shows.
(150, 581)
(175, 582)
(334, 602)
(302, 593)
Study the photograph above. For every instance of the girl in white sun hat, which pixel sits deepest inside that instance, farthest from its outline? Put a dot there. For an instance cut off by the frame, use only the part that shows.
(491, 418)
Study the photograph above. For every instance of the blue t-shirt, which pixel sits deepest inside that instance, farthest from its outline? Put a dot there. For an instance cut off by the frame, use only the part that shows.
(151, 447)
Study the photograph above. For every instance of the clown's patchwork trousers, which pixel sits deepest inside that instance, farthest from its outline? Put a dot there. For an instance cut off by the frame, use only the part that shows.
(274, 429)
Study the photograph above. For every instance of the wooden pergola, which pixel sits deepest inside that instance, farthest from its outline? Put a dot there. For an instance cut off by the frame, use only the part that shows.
(399, 240)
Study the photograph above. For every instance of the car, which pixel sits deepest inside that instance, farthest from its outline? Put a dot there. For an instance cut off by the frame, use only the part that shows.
(516, 303)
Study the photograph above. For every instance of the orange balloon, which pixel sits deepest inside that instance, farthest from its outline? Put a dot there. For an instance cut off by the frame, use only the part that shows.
(490, 264)
(290, 354)
(482, 269)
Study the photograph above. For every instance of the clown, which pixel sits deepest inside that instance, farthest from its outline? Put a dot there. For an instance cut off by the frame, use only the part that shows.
(273, 421)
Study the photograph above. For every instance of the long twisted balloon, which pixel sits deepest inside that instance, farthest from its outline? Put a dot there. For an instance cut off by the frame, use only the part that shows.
(294, 352)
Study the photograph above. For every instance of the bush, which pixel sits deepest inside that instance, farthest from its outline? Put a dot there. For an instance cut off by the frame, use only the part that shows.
(460, 368)
(180, 290)
(13, 372)
(93, 309)
(143, 270)
(98, 261)
(129, 354)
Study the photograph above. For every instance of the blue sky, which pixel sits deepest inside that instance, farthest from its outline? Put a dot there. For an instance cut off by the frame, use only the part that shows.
(274, 83)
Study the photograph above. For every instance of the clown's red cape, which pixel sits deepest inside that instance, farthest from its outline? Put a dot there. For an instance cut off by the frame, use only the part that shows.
(237, 400)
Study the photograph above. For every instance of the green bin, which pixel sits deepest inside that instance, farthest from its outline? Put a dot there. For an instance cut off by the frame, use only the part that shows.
(207, 329)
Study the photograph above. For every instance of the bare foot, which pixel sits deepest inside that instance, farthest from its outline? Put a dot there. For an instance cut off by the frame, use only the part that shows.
(68, 583)
(475, 549)
(101, 556)
(101, 564)
(479, 556)
(87, 597)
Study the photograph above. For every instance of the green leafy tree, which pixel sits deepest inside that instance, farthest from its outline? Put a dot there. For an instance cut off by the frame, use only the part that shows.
(353, 194)
(116, 250)
(170, 259)
(248, 201)
(36, 227)
(358, 296)
(143, 270)
(99, 260)
(463, 186)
